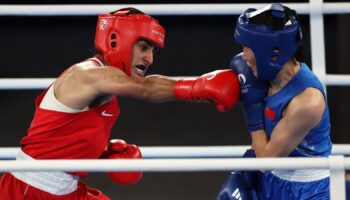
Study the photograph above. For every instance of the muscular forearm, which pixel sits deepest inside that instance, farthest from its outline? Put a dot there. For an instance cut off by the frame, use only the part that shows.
(159, 88)
(259, 143)
(271, 147)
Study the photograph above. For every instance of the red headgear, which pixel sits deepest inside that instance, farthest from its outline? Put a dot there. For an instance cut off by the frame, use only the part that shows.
(117, 32)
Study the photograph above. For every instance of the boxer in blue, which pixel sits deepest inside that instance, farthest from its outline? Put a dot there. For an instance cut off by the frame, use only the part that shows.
(284, 104)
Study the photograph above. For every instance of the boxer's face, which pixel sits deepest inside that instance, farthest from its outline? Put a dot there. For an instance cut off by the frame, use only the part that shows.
(249, 57)
(141, 57)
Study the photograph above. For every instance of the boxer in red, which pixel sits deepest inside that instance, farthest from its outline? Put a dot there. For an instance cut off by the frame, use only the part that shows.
(74, 116)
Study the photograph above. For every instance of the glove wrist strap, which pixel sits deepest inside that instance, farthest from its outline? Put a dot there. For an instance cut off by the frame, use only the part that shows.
(183, 90)
(254, 115)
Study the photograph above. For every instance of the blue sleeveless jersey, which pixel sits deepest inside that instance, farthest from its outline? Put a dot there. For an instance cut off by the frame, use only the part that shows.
(317, 142)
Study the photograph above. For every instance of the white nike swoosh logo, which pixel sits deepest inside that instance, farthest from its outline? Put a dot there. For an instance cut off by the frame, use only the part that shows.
(104, 113)
(211, 77)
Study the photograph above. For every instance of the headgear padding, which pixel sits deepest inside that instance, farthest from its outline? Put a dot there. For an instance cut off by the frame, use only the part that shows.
(117, 32)
(274, 35)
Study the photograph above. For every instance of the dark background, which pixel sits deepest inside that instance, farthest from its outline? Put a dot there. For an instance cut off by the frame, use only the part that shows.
(44, 46)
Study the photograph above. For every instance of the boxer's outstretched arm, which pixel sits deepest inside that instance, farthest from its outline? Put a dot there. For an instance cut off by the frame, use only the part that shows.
(85, 84)
(220, 87)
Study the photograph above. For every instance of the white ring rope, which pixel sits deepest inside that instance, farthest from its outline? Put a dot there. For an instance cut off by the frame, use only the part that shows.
(337, 79)
(337, 164)
(187, 151)
(25, 83)
(158, 9)
(34, 83)
(42, 83)
(167, 165)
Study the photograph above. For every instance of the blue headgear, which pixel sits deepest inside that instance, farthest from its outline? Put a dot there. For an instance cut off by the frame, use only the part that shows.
(273, 33)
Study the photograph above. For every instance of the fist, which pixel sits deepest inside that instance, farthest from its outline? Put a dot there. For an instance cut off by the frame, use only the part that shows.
(253, 91)
(220, 87)
(119, 149)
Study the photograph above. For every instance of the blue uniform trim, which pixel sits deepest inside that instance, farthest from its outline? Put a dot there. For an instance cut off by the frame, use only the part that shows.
(273, 188)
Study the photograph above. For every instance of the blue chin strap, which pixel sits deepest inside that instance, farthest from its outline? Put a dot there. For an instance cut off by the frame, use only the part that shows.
(274, 35)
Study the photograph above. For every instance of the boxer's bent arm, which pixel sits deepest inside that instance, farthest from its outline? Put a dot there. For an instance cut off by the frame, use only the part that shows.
(302, 114)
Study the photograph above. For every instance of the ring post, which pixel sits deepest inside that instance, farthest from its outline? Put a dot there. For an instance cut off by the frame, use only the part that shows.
(337, 178)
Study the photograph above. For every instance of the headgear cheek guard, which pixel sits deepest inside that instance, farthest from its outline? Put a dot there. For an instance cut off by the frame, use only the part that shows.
(274, 35)
(117, 32)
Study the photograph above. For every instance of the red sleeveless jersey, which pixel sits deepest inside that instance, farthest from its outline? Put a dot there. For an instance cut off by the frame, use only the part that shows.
(59, 135)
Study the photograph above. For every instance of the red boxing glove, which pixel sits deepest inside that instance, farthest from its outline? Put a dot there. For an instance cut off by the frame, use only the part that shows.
(119, 149)
(220, 87)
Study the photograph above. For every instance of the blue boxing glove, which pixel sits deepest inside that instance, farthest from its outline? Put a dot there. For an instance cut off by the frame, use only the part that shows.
(234, 188)
(253, 91)
(240, 184)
